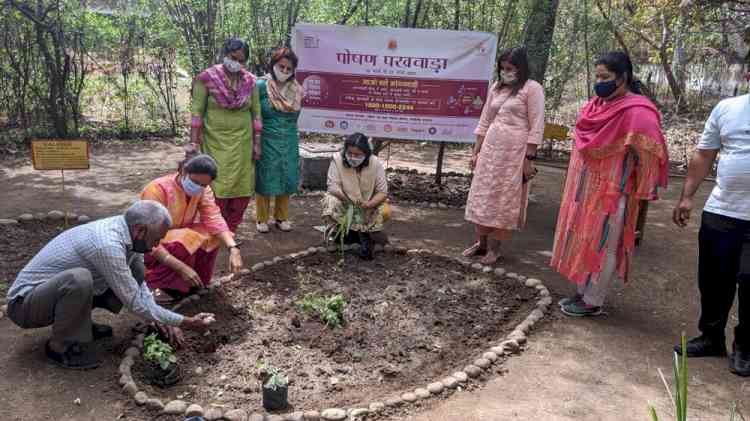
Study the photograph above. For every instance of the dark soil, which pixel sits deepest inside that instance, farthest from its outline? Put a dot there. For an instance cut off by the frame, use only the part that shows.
(409, 320)
(410, 185)
(18, 244)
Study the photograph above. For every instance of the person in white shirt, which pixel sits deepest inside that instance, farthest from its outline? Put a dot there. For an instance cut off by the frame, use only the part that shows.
(99, 264)
(724, 238)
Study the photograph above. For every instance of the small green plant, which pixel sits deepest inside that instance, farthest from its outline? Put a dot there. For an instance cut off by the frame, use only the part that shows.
(275, 378)
(330, 309)
(158, 351)
(679, 397)
(353, 215)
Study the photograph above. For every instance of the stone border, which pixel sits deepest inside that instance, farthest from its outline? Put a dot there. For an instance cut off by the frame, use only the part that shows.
(53, 215)
(510, 345)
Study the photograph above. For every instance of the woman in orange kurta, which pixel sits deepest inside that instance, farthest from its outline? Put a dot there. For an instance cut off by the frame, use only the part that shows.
(619, 159)
(184, 260)
(509, 131)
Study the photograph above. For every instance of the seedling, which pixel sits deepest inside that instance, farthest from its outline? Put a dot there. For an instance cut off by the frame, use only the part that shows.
(329, 309)
(275, 377)
(159, 352)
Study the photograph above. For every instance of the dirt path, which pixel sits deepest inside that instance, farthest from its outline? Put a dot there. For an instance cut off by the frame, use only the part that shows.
(602, 369)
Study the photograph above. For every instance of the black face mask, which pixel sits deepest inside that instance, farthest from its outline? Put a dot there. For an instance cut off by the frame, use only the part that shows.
(140, 246)
(605, 89)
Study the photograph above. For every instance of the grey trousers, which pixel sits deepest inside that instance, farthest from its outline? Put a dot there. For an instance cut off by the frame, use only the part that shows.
(65, 302)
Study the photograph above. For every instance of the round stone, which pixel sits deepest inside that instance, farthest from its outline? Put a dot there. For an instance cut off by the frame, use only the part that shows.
(333, 414)
(84, 219)
(359, 412)
(409, 397)
(132, 352)
(511, 346)
(277, 259)
(294, 416)
(312, 250)
(194, 410)
(257, 417)
(449, 382)
(491, 356)
(40, 216)
(26, 217)
(213, 414)
(460, 376)
(544, 292)
(256, 267)
(482, 363)
(8, 222)
(477, 266)
(176, 407)
(524, 327)
(236, 415)
(124, 370)
(547, 301)
(498, 350)
(465, 263)
(154, 404)
(309, 416)
(376, 407)
(512, 275)
(274, 418)
(518, 336)
(532, 282)
(472, 371)
(130, 388)
(433, 205)
(500, 272)
(125, 379)
(435, 388)
(422, 393)
(55, 215)
(140, 398)
(487, 269)
(538, 314)
(395, 401)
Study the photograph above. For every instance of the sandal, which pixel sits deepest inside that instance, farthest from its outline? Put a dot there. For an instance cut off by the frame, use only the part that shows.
(474, 250)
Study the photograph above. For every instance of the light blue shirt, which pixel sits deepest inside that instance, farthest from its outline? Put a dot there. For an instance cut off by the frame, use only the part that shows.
(105, 249)
(728, 130)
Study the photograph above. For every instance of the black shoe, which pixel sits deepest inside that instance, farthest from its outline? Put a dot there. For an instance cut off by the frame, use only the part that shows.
(739, 361)
(365, 246)
(704, 346)
(99, 331)
(75, 357)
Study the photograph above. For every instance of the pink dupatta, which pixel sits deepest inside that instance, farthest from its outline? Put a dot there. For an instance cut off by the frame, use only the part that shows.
(218, 86)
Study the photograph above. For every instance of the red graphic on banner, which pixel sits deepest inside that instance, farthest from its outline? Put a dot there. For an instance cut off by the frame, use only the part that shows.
(393, 95)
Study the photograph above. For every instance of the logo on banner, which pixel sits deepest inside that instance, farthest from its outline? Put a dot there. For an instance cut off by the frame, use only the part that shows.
(344, 125)
(482, 50)
(329, 124)
(432, 131)
(312, 42)
(392, 44)
(388, 128)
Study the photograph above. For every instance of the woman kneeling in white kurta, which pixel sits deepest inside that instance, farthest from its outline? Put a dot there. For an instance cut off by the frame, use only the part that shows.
(357, 178)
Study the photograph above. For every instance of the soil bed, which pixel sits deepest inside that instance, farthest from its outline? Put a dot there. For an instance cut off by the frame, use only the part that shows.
(409, 320)
(18, 244)
(410, 185)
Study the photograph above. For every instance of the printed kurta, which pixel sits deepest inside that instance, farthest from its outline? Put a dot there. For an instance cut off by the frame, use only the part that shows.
(619, 151)
(228, 138)
(498, 197)
(277, 171)
(196, 222)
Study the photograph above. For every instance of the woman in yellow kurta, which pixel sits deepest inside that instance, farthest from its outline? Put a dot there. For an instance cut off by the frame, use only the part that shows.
(226, 124)
(185, 257)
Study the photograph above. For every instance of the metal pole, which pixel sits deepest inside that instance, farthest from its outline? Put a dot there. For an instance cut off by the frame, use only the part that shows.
(65, 201)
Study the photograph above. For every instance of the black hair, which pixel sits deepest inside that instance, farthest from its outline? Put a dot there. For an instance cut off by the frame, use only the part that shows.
(233, 44)
(200, 164)
(619, 63)
(279, 54)
(360, 141)
(516, 56)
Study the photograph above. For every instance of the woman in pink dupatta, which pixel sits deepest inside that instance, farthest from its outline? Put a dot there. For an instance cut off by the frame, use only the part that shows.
(184, 260)
(619, 159)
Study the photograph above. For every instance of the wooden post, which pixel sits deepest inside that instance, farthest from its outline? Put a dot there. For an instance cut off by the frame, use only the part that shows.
(439, 169)
(65, 201)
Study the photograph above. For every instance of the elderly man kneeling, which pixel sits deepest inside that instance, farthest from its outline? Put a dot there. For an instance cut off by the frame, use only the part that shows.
(99, 264)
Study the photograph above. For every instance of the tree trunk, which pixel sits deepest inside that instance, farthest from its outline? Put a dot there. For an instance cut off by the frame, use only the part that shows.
(539, 30)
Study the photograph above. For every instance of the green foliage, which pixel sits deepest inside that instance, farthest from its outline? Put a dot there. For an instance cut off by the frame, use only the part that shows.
(330, 309)
(157, 351)
(275, 378)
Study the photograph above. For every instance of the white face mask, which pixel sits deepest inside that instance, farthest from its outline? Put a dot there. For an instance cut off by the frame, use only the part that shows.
(508, 78)
(281, 75)
(355, 161)
(232, 66)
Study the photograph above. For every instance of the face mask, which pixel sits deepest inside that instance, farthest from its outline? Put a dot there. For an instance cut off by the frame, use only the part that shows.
(508, 78)
(605, 89)
(232, 66)
(191, 187)
(281, 76)
(355, 161)
(140, 246)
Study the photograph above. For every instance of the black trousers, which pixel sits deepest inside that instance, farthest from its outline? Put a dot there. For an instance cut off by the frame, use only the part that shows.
(723, 265)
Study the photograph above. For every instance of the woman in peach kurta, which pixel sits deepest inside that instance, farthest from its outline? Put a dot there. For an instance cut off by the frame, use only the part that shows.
(185, 258)
(508, 133)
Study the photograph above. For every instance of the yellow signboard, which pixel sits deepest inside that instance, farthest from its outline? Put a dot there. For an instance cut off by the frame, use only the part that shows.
(555, 131)
(53, 154)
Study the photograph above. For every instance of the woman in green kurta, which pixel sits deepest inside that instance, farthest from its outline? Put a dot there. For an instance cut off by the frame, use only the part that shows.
(226, 124)
(278, 168)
